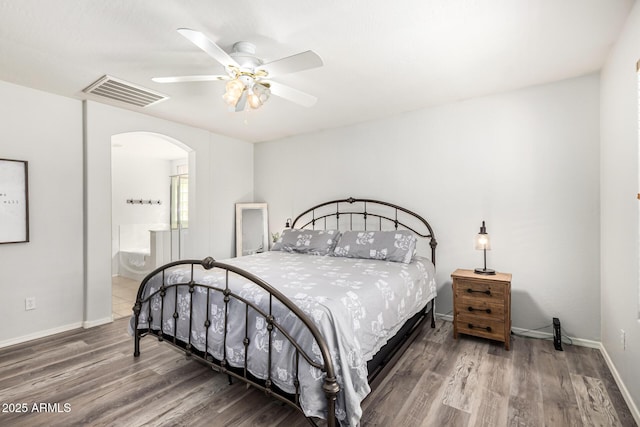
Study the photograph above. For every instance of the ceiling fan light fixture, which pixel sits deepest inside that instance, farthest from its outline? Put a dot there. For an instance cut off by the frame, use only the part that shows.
(258, 95)
(234, 90)
(245, 73)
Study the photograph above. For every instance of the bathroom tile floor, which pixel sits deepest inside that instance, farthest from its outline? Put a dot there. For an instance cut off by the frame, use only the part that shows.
(123, 295)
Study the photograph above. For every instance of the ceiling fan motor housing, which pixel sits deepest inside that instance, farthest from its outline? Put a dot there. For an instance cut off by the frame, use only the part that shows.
(244, 54)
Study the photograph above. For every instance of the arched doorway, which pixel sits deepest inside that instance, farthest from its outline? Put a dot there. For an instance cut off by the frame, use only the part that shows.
(149, 209)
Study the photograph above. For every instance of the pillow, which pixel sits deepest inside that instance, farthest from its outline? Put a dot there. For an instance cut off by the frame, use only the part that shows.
(398, 245)
(315, 242)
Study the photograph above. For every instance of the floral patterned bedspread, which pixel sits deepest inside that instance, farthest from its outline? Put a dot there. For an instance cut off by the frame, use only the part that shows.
(356, 304)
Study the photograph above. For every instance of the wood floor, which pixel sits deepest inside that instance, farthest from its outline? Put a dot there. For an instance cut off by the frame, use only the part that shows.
(90, 378)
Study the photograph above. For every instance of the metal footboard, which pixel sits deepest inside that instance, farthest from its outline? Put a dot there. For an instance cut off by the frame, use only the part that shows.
(330, 385)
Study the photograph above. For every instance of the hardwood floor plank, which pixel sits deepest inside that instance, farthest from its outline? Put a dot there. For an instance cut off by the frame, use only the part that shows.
(417, 407)
(396, 388)
(200, 411)
(495, 375)
(41, 374)
(491, 403)
(463, 382)
(525, 413)
(273, 414)
(391, 394)
(443, 362)
(440, 334)
(581, 360)
(444, 415)
(595, 407)
(117, 406)
(525, 401)
(559, 400)
(236, 413)
(490, 409)
(605, 375)
(181, 405)
(19, 351)
(525, 377)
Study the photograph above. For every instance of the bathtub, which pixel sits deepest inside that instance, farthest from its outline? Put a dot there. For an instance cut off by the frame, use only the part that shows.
(135, 263)
(138, 249)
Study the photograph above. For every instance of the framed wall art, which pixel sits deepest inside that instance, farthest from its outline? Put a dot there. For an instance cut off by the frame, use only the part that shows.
(14, 201)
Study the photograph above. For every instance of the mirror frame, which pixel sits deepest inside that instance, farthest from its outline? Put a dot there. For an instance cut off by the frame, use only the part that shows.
(240, 208)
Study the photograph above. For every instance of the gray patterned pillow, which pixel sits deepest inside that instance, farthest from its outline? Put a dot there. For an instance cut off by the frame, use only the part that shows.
(315, 242)
(398, 246)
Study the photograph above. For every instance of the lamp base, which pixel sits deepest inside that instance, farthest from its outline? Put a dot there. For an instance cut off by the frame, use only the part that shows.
(486, 271)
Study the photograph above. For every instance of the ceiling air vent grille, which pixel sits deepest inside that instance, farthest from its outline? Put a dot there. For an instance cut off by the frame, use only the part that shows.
(119, 90)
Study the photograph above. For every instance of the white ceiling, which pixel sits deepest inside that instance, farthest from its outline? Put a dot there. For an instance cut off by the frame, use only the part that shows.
(381, 58)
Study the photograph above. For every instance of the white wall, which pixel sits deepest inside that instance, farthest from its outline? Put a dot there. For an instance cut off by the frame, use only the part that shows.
(232, 178)
(45, 130)
(619, 207)
(526, 162)
(138, 177)
(220, 175)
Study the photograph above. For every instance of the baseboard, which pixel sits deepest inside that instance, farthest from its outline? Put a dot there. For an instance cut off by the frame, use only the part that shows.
(623, 389)
(40, 334)
(538, 334)
(53, 331)
(94, 323)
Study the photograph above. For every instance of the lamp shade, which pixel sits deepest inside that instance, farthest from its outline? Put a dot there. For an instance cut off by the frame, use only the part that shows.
(482, 240)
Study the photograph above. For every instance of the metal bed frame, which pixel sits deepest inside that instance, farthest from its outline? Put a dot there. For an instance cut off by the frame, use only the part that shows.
(313, 217)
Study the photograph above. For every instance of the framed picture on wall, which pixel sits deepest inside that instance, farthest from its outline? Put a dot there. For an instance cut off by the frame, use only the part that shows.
(14, 201)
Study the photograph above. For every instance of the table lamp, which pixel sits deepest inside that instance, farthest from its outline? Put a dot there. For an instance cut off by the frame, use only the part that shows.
(482, 243)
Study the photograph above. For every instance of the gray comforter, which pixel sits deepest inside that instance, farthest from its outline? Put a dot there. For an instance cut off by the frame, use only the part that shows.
(356, 304)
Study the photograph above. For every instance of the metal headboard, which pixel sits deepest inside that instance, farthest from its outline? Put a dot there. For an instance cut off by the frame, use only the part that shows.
(366, 209)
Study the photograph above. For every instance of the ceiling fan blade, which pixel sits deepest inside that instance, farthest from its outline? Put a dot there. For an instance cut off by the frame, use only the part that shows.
(204, 43)
(291, 94)
(180, 79)
(291, 64)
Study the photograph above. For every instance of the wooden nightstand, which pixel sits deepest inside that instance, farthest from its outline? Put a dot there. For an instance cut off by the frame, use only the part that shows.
(482, 305)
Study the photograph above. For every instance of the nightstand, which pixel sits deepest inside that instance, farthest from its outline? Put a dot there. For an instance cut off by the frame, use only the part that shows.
(482, 305)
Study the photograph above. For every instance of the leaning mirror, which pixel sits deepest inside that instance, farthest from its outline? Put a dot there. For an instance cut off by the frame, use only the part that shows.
(252, 230)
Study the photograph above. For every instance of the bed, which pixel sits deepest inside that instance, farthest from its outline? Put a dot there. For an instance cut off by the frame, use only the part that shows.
(314, 323)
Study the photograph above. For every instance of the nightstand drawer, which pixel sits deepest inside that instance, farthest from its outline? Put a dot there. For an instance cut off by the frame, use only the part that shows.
(479, 290)
(485, 328)
(480, 307)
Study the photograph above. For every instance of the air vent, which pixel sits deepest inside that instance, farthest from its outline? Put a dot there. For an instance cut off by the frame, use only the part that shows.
(119, 90)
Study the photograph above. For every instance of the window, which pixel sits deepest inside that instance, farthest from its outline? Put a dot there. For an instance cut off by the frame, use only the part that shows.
(179, 202)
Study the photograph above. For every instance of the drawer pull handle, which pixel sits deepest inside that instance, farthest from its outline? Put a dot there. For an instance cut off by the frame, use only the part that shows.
(472, 326)
(470, 291)
(488, 310)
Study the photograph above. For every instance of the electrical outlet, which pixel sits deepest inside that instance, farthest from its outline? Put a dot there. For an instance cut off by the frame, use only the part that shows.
(623, 339)
(30, 303)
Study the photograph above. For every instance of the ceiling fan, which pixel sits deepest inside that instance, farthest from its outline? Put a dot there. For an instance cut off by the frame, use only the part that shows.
(248, 77)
